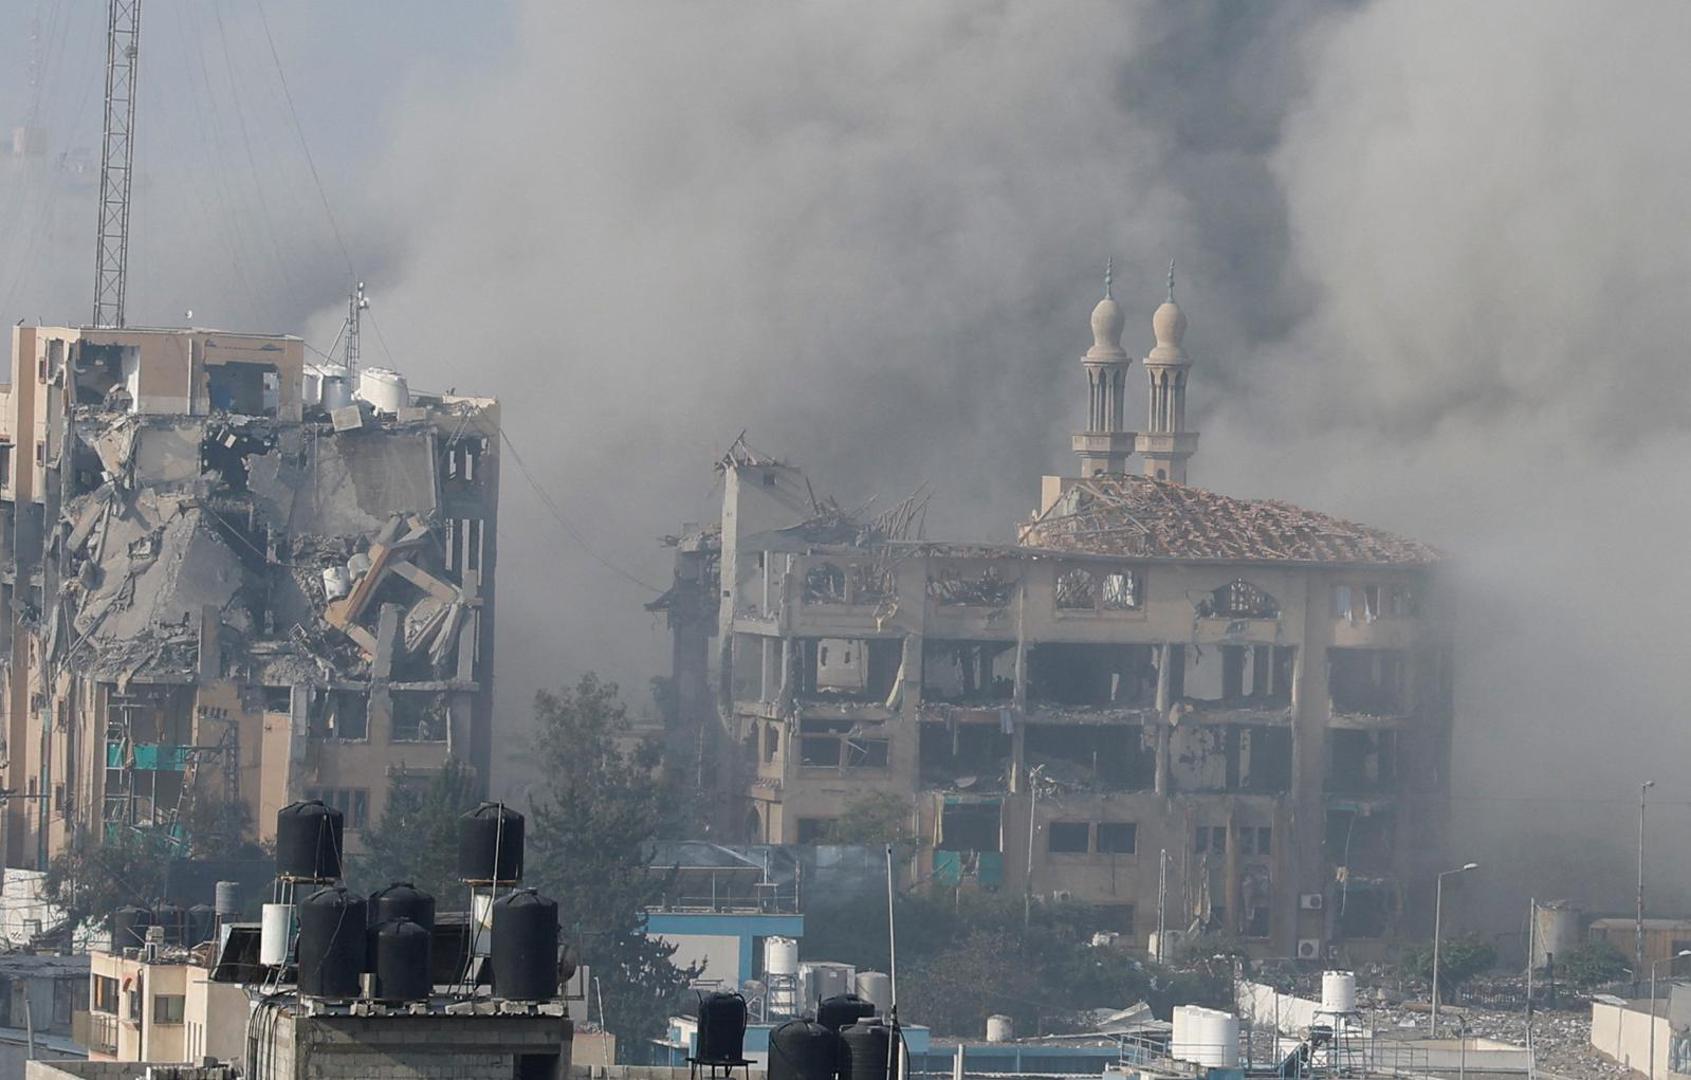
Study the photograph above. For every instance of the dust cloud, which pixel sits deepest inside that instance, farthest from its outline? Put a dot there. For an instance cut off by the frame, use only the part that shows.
(1430, 254)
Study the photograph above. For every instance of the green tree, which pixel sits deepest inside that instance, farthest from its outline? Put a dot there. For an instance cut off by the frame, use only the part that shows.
(1460, 959)
(90, 880)
(593, 818)
(875, 820)
(416, 838)
(1593, 964)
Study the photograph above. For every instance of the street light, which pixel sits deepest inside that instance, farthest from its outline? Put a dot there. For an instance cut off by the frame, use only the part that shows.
(1653, 965)
(1638, 922)
(1438, 919)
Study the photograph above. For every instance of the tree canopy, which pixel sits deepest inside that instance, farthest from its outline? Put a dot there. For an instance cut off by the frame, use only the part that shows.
(592, 821)
(416, 838)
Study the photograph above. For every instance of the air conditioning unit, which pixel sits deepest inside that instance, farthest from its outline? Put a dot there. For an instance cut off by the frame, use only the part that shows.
(1061, 896)
(1312, 901)
(1309, 948)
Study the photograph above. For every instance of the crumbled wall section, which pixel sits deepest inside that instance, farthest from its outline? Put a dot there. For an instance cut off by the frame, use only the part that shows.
(221, 610)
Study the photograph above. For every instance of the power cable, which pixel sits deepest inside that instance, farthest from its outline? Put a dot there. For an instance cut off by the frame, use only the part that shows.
(564, 524)
(299, 130)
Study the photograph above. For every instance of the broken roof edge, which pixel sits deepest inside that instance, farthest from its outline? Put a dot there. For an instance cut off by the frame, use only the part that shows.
(967, 550)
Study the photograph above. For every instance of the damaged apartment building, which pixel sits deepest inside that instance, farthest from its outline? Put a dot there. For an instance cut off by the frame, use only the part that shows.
(230, 583)
(1151, 690)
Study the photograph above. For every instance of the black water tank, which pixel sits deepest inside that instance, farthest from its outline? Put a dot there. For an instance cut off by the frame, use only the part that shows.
(402, 900)
(722, 1028)
(803, 1050)
(308, 841)
(172, 917)
(842, 1010)
(129, 927)
(400, 957)
(331, 943)
(525, 947)
(490, 845)
(864, 1049)
(201, 925)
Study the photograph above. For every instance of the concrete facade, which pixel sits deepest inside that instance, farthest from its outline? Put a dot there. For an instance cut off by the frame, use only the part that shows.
(1263, 693)
(163, 1010)
(285, 1042)
(218, 599)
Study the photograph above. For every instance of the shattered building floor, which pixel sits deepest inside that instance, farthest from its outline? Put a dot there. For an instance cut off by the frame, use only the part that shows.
(212, 613)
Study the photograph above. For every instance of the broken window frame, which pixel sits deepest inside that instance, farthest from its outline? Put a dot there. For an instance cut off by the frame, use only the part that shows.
(1077, 590)
(1118, 838)
(1072, 833)
(1239, 599)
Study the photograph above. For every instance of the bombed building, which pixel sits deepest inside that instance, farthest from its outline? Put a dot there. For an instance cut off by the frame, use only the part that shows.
(228, 585)
(1149, 698)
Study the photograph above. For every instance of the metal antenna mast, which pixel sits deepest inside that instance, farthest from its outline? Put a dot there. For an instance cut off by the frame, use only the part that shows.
(117, 159)
(355, 304)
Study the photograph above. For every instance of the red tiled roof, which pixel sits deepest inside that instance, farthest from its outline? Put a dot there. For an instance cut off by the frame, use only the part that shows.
(1136, 515)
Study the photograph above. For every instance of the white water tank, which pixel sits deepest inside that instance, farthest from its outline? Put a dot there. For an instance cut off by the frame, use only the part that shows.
(780, 956)
(384, 388)
(1555, 931)
(1338, 991)
(274, 929)
(335, 391)
(481, 923)
(1205, 1037)
(875, 987)
(1000, 1029)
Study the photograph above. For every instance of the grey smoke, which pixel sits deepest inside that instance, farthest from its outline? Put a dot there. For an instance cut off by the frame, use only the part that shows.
(1431, 255)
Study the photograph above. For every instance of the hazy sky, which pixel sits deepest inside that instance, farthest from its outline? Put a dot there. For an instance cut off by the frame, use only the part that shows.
(1431, 255)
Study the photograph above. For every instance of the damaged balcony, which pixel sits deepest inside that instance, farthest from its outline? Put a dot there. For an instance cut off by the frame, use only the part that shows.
(1217, 758)
(960, 754)
(1092, 683)
(968, 673)
(1074, 757)
(1367, 686)
(1232, 684)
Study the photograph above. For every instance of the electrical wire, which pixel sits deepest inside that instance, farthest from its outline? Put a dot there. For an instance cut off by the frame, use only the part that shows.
(563, 522)
(299, 130)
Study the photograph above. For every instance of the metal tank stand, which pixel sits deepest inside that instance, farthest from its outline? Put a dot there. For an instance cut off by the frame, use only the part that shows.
(718, 1070)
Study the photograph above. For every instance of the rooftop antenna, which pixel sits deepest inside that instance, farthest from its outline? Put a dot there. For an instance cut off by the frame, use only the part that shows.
(356, 302)
(117, 160)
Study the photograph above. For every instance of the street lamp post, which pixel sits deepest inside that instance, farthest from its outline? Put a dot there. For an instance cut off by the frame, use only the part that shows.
(1438, 921)
(1654, 964)
(1033, 821)
(1638, 921)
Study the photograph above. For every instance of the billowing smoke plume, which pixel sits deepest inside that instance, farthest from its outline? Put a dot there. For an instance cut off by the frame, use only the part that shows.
(1430, 256)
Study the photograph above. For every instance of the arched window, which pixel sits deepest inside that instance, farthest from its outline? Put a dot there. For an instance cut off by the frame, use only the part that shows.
(1239, 599)
(1077, 590)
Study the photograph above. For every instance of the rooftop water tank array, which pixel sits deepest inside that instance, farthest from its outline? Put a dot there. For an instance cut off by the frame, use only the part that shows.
(332, 926)
(402, 900)
(1206, 1037)
(400, 956)
(201, 925)
(722, 1029)
(308, 841)
(525, 946)
(490, 845)
(1000, 1029)
(129, 927)
(804, 1050)
(842, 1010)
(867, 1050)
(1338, 992)
(875, 987)
(226, 899)
(384, 388)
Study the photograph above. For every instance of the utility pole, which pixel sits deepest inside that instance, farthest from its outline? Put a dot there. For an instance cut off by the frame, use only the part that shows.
(1162, 904)
(117, 161)
(1638, 921)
